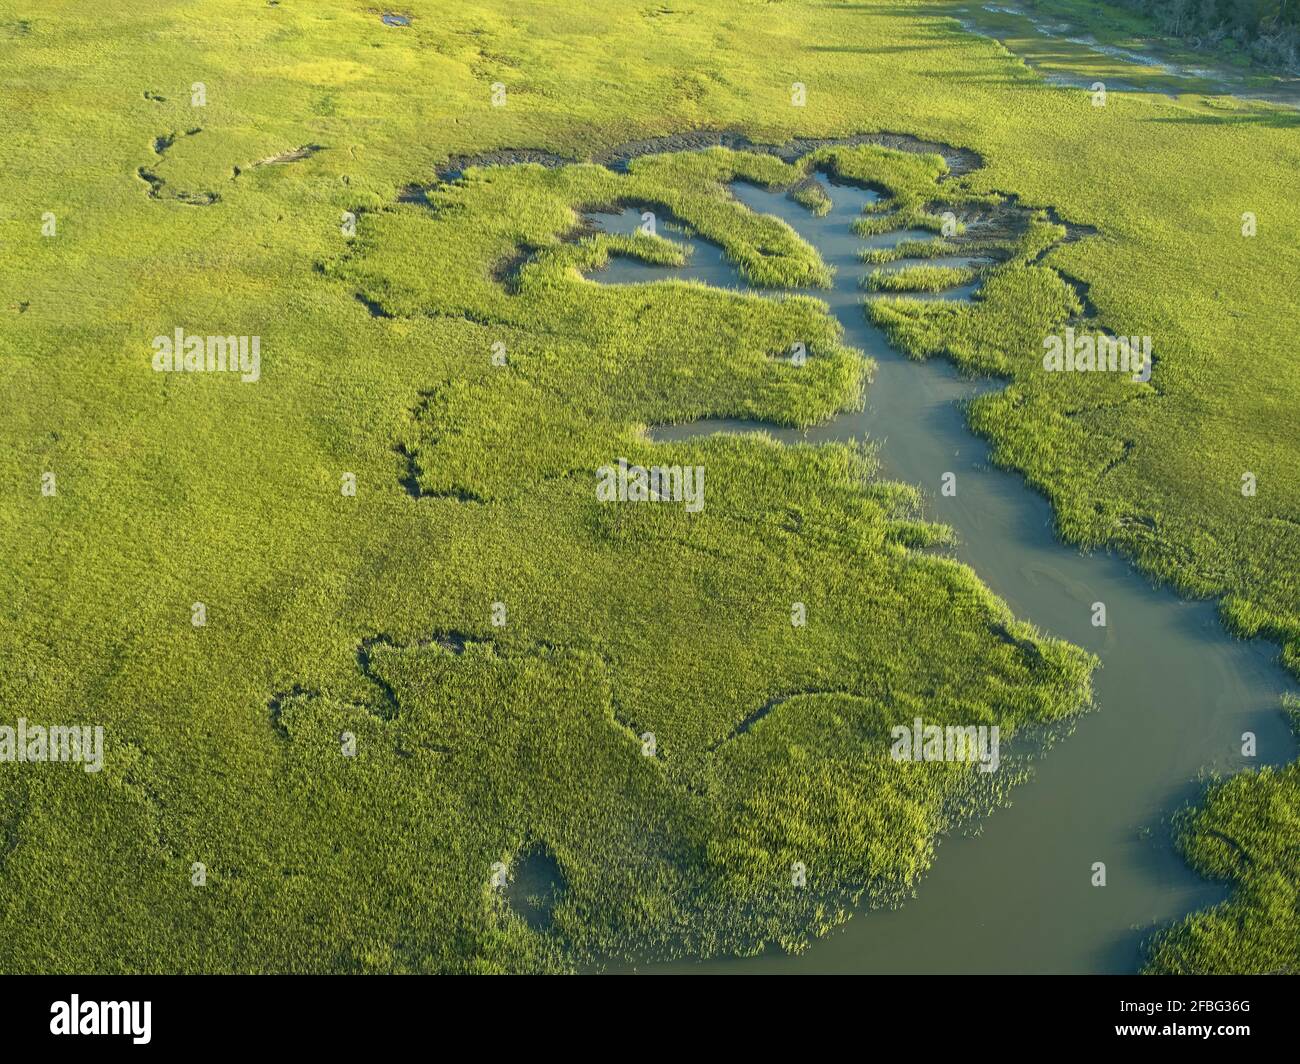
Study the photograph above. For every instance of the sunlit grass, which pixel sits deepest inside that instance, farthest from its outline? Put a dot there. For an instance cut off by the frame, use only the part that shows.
(222, 741)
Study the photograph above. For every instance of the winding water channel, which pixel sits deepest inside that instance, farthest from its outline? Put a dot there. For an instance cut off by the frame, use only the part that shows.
(1174, 694)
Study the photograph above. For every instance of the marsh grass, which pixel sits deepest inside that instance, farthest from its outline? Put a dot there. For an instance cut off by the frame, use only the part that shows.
(591, 363)
(1245, 831)
(910, 249)
(223, 741)
(919, 278)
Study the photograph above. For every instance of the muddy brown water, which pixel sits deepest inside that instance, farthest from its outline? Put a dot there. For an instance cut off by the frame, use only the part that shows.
(1174, 692)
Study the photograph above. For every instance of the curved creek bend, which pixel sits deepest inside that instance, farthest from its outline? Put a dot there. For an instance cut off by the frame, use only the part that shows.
(1174, 692)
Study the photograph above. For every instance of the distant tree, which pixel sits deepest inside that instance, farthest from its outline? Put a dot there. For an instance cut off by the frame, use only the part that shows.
(1269, 30)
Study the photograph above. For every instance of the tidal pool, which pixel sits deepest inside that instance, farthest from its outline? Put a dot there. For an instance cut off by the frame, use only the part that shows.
(1174, 693)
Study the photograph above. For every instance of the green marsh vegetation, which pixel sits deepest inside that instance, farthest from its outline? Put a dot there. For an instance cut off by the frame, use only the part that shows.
(222, 740)
(910, 249)
(920, 278)
(744, 794)
(1167, 46)
(1247, 832)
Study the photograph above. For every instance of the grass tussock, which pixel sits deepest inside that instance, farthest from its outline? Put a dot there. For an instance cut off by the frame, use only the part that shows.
(919, 278)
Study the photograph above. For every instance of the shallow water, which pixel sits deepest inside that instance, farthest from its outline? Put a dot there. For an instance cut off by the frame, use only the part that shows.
(1174, 693)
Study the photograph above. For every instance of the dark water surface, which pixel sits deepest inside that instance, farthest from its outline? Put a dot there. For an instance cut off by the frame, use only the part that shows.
(1174, 693)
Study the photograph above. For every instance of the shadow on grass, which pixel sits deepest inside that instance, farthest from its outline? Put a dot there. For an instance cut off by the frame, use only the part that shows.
(1275, 118)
